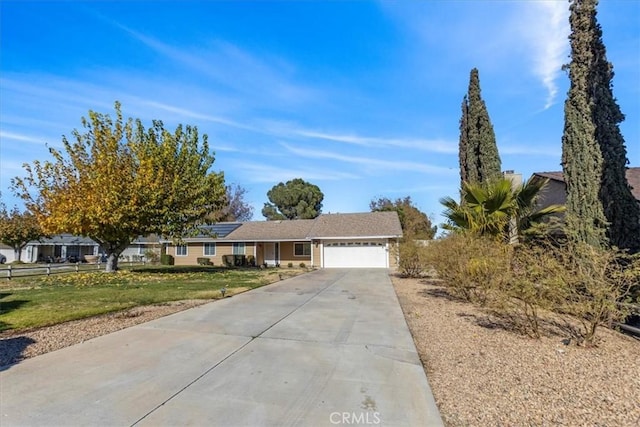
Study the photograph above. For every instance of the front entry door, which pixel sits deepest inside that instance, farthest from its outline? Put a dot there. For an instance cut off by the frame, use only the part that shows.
(272, 254)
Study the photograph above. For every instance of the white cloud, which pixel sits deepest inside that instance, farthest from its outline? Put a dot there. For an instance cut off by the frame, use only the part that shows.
(544, 28)
(370, 163)
(261, 173)
(20, 137)
(269, 78)
(435, 145)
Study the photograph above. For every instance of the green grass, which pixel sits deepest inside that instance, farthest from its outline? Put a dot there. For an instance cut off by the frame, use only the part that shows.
(33, 302)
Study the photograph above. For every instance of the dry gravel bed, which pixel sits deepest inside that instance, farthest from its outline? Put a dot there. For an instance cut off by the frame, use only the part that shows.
(15, 347)
(484, 375)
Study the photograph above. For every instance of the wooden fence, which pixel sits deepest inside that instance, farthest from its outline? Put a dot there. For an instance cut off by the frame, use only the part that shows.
(10, 272)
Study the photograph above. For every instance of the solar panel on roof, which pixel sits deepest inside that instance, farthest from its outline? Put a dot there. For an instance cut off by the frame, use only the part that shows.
(219, 230)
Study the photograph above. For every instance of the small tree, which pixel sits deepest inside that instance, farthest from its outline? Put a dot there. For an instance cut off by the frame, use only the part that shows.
(235, 208)
(17, 229)
(297, 199)
(415, 223)
(118, 181)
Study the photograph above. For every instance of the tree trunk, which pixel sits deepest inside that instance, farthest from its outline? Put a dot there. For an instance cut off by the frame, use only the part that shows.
(17, 251)
(112, 262)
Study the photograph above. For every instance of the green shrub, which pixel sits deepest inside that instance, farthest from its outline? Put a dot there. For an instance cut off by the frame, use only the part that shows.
(290, 265)
(251, 261)
(303, 265)
(166, 259)
(234, 260)
(204, 261)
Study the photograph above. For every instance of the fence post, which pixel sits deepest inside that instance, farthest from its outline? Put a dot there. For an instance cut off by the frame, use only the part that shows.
(48, 269)
(9, 272)
(77, 267)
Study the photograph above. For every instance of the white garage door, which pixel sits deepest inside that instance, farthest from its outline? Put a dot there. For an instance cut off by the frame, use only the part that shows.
(355, 254)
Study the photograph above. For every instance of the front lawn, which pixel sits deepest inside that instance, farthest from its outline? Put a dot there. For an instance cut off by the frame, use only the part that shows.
(33, 302)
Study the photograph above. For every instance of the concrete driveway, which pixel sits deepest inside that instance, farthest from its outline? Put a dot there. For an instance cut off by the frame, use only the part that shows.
(327, 348)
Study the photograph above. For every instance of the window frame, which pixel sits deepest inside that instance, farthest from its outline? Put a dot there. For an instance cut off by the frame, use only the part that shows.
(304, 245)
(209, 245)
(186, 250)
(236, 246)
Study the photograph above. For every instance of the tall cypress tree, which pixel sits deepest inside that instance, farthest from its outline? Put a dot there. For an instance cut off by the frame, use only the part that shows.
(601, 209)
(463, 147)
(479, 157)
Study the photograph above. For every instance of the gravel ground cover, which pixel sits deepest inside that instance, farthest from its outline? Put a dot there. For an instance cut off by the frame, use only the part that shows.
(484, 375)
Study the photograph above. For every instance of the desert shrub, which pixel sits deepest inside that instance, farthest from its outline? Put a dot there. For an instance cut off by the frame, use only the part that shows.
(537, 281)
(204, 261)
(472, 267)
(599, 285)
(166, 259)
(303, 265)
(290, 265)
(413, 260)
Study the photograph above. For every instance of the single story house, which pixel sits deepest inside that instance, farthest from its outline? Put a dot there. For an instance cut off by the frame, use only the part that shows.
(353, 240)
(137, 250)
(59, 247)
(556, 190)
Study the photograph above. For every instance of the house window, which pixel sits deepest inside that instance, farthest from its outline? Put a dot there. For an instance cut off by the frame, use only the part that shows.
(238, 248)
(302, 249)
(181, 250)
(210, 249)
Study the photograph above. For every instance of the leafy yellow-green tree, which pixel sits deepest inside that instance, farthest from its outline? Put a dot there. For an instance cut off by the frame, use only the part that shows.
(18, 228)
(117, 180)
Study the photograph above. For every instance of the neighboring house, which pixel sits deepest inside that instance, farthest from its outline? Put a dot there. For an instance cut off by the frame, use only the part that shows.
(137, 249)
(59, 248)
(9, 254)
(356, 240)
(556, 190)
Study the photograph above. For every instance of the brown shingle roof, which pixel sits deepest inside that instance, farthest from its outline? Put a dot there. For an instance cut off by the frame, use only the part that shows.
(633, 178)
(370, 224)
(272, 230)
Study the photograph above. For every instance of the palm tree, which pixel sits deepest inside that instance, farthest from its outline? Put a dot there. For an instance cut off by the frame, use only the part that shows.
(496, 209)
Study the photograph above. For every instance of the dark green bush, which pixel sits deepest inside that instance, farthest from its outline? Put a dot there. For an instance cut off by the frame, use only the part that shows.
(303, 265)
(234, 260)
(290, 265)
(166, 259)
(204, 261)
(251, 261)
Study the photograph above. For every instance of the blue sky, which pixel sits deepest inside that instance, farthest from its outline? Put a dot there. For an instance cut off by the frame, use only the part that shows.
(360, 98)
